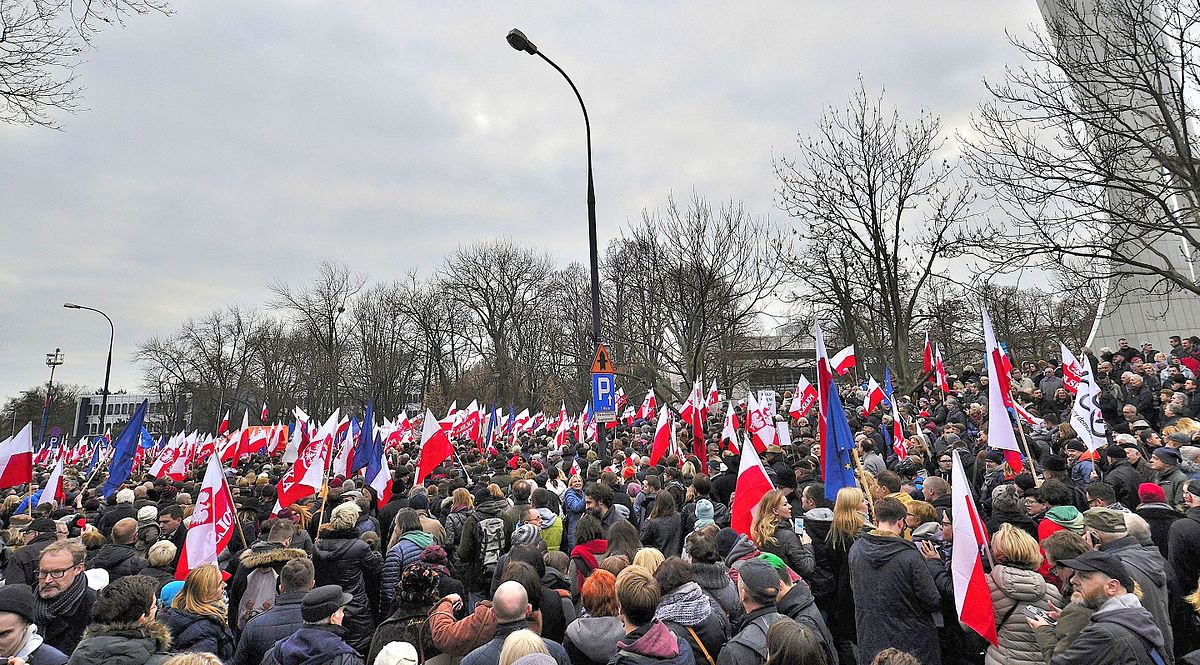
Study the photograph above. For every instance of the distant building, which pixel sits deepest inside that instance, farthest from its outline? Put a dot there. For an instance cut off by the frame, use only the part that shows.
(163, 416)
(775, 362)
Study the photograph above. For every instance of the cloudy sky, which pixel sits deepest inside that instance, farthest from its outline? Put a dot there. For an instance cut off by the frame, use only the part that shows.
(235, 143)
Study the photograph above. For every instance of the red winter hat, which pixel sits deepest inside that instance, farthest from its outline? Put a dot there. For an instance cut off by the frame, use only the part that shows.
(1151, 493)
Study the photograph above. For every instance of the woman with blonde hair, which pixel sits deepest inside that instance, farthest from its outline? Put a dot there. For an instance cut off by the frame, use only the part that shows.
(649, 558)
(461, 505)
(521, 643)
(198, 616)
(849, 522)
(1014, 583)
(773, 532)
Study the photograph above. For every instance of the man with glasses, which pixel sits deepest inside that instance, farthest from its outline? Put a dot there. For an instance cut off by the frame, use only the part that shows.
(63, 607)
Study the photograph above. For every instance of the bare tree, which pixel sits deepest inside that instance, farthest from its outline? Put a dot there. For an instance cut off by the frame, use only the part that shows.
(876, 214)
(40, 45)
(1090, 149)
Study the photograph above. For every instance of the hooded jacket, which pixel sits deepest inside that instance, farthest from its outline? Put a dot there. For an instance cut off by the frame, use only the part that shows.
(749, 645)
(259, 555)
(714, 579)
(653, 644)
(1121, 632)
(1148, 568)
(119, 560)
(1015, 588)
(35, 651)
(194, 632)
(468, 549)
(817, 523)
(895, 598)
(314, 644)
(344, 559)
(593, 640)
(123, 644)
(799, 605)
(405, 552)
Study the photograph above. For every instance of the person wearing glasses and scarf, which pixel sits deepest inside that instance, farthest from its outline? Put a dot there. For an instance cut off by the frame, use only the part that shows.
(63, 607)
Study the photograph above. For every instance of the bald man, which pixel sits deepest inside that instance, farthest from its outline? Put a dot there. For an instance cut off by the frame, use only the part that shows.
(511, 605)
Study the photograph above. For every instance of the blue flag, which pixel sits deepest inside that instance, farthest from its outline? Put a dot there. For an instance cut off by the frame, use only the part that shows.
(363, 448)
(839, 465)
(97, 446)
(493, 422)
(124, 450)
(145, 439)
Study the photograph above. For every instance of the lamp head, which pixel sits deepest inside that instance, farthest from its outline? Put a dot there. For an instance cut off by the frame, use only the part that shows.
(520, 42)
(70, 305)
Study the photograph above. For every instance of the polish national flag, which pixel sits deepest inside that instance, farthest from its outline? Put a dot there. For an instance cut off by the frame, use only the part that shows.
(662, 438)
(178, 468)
(874, 397)
(1000, 431)
(729, 433)
(223, 429)
(759, 424)
(844, 360)
(307, 474)
(898, 440)
(647, 409)
(435, 448)
(53, 491)
(971, 596)
(212, 524)
(752, 485)
(824, 380)
(713, 395)
(263, 417)
(940, 371)
(16, 458)
(803, 399)
(166, 457)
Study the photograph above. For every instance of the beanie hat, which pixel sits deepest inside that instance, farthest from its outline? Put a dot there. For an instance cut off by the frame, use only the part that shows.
(1115, 452)
(1151, 493)
(419, 501)
(125, 496)
(169, 591)
(993, 455)
(704, 513)
(1076, 445)
(418, 584)
(1068, 517)
(526, 534)
(1168, 455)
(397, 653)
(147, 514)
(1055, 463)
(17, 599)
(726, 538)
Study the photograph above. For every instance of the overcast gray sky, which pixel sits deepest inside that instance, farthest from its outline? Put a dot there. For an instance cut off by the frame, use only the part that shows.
(234, 143)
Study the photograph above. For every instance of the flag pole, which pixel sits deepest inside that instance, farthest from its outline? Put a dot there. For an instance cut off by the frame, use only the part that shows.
(460, 463)
(1037, 479)
(862, 480)
(325, 486)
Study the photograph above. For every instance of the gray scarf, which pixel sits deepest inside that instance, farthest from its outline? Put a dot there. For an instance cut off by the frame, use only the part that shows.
(47, 611)
(688, 606)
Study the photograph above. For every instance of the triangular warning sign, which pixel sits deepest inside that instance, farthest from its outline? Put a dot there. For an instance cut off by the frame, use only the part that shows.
(602, 364)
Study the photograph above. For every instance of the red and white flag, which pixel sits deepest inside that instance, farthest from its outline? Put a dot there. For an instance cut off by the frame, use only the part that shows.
(694, 411)
(1072, 369)
(824, 380)
(898, 440)
(940, 371)
(308, 471)
(647, 409)
(212, 523)
(752, 485)
(178, 469)
(729, 433)
(759, 424)
(435, 448)
(713, 396)
(844, 360)
(1000, 431)
(223, 428)
(874, 396)
(16, 458)
(971, 596)
(803, 399)
(53, 491)
(166, 457)
(662, 438)
(263, 417)
(381, 480)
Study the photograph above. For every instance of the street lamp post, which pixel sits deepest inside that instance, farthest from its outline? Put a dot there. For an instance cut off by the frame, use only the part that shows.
(53, 360)
(112, 332)
(520, 42)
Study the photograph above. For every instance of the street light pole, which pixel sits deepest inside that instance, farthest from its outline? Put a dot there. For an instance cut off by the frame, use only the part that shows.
(520, 42)
(112, 333)
(53, 360)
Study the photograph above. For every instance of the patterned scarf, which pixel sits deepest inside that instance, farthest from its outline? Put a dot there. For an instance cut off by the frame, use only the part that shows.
(47, 611)
(688, 606)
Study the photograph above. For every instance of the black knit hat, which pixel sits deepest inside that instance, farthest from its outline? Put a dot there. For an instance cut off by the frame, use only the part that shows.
(18, 599)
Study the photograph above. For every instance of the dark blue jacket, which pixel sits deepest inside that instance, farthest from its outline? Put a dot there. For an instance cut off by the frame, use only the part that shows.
(263, 631)
(402, 554)
(489, 654)
(314, 644)
(193, 632)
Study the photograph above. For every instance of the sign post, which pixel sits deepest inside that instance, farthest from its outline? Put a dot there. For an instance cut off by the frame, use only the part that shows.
(604, 387)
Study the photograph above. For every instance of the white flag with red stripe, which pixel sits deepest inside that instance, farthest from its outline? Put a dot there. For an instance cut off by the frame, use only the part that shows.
(16, 458)
(729, 433)
(759, 424)
(212, 523)
(939, 368)
(662, 438)
(435, 447)
(874, 396)
(803, 399)
(752, 484)
(1072, 369)
(898, 440)
(53, 491)
(1000, 430)
(971, 596)
(647, 409)
(308, 471)
(843, 361)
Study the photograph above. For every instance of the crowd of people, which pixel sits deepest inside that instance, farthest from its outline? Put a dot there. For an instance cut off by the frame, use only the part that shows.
(548, 554)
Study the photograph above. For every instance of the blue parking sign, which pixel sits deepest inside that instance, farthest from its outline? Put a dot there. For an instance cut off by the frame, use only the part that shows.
(604, 397)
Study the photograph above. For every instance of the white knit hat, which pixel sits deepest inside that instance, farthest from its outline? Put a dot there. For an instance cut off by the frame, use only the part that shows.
(397, 653)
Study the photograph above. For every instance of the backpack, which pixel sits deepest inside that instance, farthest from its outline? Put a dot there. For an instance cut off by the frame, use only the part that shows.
(262, 585)
(489, 538)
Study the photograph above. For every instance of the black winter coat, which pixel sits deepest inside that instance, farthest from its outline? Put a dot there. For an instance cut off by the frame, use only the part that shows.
(161, 575)
(787, 546)
(895, 598)
(113, 515)
(664, 534)
(22, 565)
(409, 624)
(64, 631)
(1124, 480)
(1160, 517)
(263, 631)
(119, 560)
(799, 605)
(344, 559)
(123, 644)
(1185, 550)
(194, 632)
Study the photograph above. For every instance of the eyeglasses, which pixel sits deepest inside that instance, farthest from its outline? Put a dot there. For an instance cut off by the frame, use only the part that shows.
(55, 574)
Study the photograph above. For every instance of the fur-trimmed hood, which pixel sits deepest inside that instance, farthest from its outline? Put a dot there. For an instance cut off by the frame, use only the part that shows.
(124, 643)
(269, 554)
